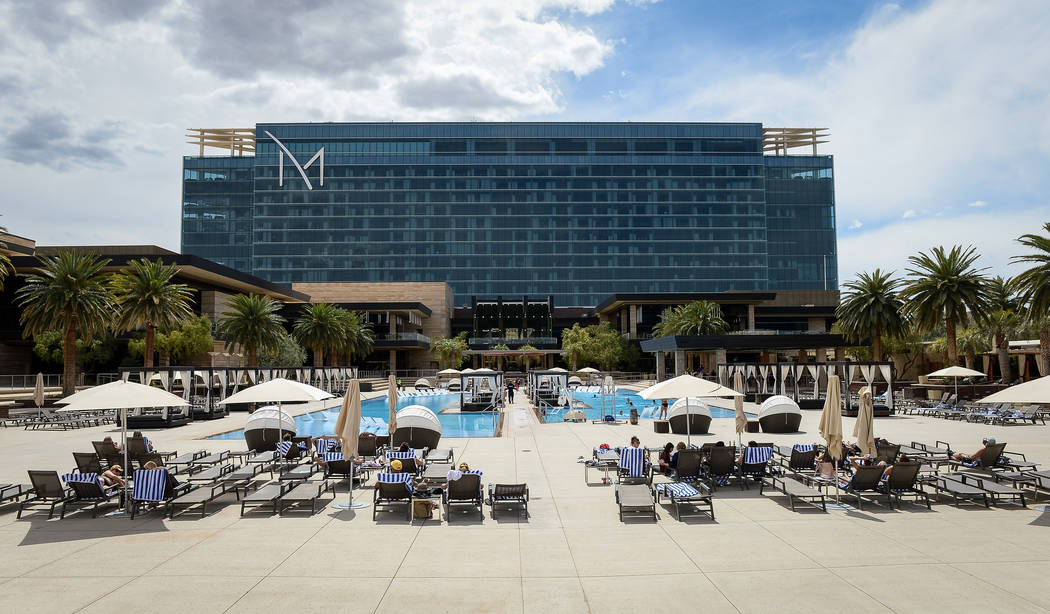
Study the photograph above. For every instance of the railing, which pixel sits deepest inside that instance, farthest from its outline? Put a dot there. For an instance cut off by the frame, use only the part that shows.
(404, 337)
(638, 336)
(763, 331)
(519, 341)
(51, 380)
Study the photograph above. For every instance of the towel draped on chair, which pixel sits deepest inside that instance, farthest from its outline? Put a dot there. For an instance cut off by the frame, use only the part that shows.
(149, 484)
(633, 461)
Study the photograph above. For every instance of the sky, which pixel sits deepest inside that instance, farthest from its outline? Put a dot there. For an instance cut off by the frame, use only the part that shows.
(938, 110)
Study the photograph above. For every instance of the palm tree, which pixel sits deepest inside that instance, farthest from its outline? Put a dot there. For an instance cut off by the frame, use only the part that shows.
(5, 261)
(449, 351)
(319, 327)
(872, 309)
(575, 342)
(68, 293)
(252, 324)
(526, 360)
(696, 318)
(358, 337)
(972, 341)
(943, 286)
(1034, 286)
(147, 296)
(1002, 322)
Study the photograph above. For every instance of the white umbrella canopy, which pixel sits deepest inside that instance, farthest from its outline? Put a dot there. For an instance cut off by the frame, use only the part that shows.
(448, 372)
(1035, 391)
(120, 395)
(864, 428)
(557, 370)
(955, 372)
(831, 418)
(485, 371)
(278, 390)
(467, 370)
(687, 386)
(588, 370)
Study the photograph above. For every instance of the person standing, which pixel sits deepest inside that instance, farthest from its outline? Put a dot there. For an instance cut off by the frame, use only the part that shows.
(400, 387)
(510, 391)
(663, 409)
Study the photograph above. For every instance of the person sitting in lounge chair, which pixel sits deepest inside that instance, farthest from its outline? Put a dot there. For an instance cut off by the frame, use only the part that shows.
(319, 459)
(455, 474)
(904, 458)
(665, 458)
(825, 466)
(112, 478)
(674, 457)
(146, 443)
(170, 485)
(858, 461)
(976, 456)
(405, 448)
(740, 459)
(116, 446)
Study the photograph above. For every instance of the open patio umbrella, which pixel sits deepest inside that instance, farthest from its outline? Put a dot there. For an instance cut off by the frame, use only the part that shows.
(123, 396)
(864, 428)
(448, 372)
(1035, 391)
(348, 429)
(391, 398)
(738, 406)
(831, 418)
(557, 370)
(278, 390)
(685, 386)
(38, 390)
(588, 370)
(955, 373)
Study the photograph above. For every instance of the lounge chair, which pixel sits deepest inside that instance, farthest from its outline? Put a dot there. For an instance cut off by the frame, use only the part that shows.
(150, 487)
(865, 479)
(995, 491)
(304, 492)
(185, 461)
(87, 462)
(633, 464)
(636, 497)
(903, 481)
(408, 460)
(959, 491)
(301, 471)
(324, 445)
(464, 491)
(801, 458)
(243, 478)
(150, 457)
(199, 496)
(304, 443)
(212, 474)
(392, 489)
(509, 494)
(288, 451)
(367, 446)
(720, 466)
(269, 494)
(693, 495)
(335, 464)
(797, 491)
(47, 491)
(214, 458)
(141, 445)
(440, 455)
(753, 467)
(12, 492)
(689, 467)
(88, 491)
(887, 452)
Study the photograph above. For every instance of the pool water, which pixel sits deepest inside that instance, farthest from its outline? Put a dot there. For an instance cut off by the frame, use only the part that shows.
(625, 399)
(374, 414)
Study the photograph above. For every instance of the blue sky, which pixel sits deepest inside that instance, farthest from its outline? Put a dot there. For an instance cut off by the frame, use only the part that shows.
(937, 109)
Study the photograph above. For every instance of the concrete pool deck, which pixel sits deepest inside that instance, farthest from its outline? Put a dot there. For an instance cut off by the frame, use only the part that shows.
(571, 555)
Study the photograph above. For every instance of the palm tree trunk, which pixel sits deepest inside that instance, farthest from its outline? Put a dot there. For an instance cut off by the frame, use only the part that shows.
(876, 347)
(69, 358)
(251, 356)
(953, 346)
(1044, 350)
(318, 356)
(147, 354)
(1002, 349)
(971, 357)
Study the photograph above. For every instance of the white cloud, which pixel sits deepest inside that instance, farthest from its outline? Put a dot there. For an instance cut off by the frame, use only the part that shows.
(978, 203)
(856, 224)
(910, 213)
(924, 106)
(118, 88)
(888, 247)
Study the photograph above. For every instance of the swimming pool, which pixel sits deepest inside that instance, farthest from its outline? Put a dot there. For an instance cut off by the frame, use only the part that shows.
(625, 399)
(374, 414)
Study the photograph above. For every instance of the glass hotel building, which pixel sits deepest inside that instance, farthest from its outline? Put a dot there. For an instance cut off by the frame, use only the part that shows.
(574, 211)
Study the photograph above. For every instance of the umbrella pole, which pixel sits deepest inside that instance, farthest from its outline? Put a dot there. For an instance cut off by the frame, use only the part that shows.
(123, 512)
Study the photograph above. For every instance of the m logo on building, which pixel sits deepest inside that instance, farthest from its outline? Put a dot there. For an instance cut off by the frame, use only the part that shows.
(319, 156)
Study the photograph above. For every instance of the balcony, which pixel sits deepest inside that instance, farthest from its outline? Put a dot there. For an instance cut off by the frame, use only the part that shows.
(513, 343)
(401, 340)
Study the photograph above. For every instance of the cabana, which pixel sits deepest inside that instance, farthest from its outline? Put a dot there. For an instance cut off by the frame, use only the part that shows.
(779, 414)
(481, 390)
(689, 416)
(267, 426)
(807, 383)
(547, 387)
(418, 426)
(423, 384)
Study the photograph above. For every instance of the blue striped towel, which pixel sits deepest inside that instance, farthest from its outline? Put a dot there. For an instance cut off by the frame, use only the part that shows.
(332, 456)
(632, 460)
(401, 455)
(804, 447)
(283, 447)
(678, 489)
(757, 456)
(396, 478)
(149, 484)
(326, 445)
(86, 478)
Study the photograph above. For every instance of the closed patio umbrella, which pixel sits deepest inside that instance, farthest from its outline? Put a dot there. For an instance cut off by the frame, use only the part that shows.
(348, 429)
(831, 418)
(738, 405)
(38, 390)
(864, 429)
(391, 397)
